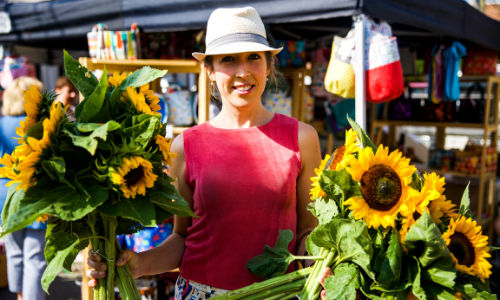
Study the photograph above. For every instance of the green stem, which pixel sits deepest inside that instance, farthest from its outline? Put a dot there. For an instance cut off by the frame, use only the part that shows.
(102, 281)
(310, 257)
(316, 287)
(312, 278)
(125, 280)
(265, 285)
(295, 285)
(109, 224)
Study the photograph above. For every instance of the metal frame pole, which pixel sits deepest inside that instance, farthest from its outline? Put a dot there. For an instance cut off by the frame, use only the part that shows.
(360, 81)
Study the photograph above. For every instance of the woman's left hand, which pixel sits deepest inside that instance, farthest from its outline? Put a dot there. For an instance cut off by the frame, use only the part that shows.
(325, 273)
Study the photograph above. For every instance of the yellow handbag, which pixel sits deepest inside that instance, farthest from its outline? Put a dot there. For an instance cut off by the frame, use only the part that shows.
(339, 79)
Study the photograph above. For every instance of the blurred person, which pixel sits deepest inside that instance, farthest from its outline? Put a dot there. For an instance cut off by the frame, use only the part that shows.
(67, 94)
(25, 248)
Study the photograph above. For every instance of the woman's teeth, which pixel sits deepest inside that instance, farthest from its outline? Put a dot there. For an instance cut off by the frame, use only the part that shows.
(244, 88)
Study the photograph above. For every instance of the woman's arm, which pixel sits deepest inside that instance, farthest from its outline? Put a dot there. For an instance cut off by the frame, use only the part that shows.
(310, 156)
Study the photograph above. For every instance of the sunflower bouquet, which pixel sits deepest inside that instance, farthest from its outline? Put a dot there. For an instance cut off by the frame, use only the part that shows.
(385, 231)
(97, 177)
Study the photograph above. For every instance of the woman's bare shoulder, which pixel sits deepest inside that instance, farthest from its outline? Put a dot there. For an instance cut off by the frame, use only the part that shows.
(307, 134)
(178, 145)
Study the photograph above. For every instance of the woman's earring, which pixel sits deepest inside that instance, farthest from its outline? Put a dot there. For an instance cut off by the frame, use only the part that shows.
(211, 83)
(267, 79)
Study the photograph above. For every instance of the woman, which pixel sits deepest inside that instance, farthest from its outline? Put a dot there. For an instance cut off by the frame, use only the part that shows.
(25, 257)
(246, 173)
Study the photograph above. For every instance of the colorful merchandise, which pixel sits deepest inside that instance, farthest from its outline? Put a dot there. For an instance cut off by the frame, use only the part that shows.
(308, 106)
(480, 62)
(293, 53)
(470, 160)
(146, 239)
(339, 79)
(278, 103)
(320, 66)
(180, 108)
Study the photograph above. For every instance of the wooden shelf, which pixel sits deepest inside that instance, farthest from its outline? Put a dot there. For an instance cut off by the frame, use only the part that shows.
(456, 174)
(179, 130)
(489, 128)
(173, 66)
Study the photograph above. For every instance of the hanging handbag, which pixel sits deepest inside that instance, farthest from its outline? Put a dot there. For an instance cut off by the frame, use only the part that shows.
(384, 76)
(472, 110)
(339, 79)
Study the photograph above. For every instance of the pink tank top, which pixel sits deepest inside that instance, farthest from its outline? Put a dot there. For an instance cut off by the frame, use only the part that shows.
(244, 184)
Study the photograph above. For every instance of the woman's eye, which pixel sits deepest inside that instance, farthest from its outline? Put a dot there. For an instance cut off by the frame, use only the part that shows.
(254, 56)
(227, 59)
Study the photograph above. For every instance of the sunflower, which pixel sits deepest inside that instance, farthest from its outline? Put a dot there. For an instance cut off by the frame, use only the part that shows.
(419, 201)
(468, 247)
(50, 126)
(342, 154)
(134, 176)
(151, 99)
(116, 79)
(32, 102)
(316, 191)
(164, 145)
(43, 218)
(384, 180)
(138, 100)
(441, 207)
(9, 161)
(26, 170)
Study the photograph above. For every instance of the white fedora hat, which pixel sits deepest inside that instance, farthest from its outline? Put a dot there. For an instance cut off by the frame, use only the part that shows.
(235, 30)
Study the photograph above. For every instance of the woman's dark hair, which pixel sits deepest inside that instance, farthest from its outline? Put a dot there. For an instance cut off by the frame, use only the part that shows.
(271, 65)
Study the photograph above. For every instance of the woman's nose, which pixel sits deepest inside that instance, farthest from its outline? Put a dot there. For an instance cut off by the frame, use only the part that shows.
(243, 70)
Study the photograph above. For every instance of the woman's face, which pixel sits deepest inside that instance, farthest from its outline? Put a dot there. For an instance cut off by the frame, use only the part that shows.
(240, 77)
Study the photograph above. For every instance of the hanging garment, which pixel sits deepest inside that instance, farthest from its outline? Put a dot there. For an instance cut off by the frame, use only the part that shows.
(438, 69)
(320, 66)
(452, 57)
(339, 78)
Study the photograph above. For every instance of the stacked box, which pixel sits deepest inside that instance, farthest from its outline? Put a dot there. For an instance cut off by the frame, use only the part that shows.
(470, 160)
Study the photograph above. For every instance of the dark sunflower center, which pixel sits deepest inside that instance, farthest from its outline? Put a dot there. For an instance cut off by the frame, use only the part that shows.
(134, 176)
(338, 155)
(381, 187)
(462, 249)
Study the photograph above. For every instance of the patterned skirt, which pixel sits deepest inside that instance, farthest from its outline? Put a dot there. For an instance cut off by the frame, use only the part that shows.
(191, 290)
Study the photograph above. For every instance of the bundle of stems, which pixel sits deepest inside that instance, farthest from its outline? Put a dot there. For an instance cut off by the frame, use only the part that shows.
(303, 283)
(107, 246)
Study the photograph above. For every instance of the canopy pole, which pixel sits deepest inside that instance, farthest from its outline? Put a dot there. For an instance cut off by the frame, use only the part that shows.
(360, 80)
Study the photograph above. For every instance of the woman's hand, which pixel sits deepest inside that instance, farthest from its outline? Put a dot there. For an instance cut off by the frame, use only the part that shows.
(99, 268)
(326, 272)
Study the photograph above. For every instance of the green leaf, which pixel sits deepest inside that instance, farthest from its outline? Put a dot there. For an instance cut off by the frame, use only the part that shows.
(362, 136)
(21, 213)
(136, 79)
(75, 204)
(89, 142)
(416, 181)
(350, 238)
(55, 168)
(343, 285)
(79, 109)
(142, 128)
(161, 214)
(274, 261)
(56, 242)
(311, 248)
(35, 131)
(425, 242)
(95, 101)
(81, 77)
(336, 184)
(326, 210)
(465, 204)
(12, 202)
(139, 209)
(178, 207)
(442, 272)
(56, 265)
(391, 266)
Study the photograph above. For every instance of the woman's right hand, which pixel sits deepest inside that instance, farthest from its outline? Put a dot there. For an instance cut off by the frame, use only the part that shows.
(99, 268)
